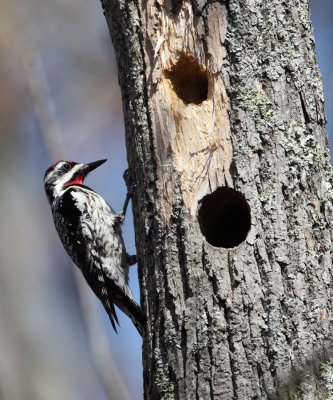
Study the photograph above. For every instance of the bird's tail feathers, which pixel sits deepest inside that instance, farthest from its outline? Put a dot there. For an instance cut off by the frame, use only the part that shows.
(130, 307)
(109, 307)
(111, 293)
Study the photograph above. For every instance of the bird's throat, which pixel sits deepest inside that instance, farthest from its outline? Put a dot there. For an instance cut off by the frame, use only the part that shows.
(77, 181)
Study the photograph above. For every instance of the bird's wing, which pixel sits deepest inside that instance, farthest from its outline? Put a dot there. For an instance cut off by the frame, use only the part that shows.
(76, 228)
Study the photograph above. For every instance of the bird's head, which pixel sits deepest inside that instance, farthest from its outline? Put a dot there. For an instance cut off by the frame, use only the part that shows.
(62, 174)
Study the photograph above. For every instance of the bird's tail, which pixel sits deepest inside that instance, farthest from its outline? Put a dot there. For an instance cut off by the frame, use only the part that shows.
(112, 292)
(130, 307)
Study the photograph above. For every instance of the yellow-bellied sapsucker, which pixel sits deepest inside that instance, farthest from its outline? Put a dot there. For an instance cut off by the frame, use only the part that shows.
(90, 231)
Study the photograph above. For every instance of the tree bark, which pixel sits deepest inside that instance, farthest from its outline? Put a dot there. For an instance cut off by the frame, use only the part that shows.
(226, 141)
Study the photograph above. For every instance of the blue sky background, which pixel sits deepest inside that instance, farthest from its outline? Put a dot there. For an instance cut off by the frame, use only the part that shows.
(321, 15)
(60, 50)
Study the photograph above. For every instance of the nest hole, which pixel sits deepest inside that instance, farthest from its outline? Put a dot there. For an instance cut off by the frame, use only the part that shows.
(224, 218)
(189, 80)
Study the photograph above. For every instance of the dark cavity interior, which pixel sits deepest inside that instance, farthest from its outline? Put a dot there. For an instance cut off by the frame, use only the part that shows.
(224, 218)
(189, 80)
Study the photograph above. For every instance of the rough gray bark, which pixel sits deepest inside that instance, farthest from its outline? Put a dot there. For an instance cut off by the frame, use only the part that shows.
(228, 94)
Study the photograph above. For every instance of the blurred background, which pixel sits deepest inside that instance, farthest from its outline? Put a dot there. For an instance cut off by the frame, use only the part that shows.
(59, 90)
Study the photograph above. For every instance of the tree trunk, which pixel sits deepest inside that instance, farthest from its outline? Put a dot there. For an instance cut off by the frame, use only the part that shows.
(225, 132)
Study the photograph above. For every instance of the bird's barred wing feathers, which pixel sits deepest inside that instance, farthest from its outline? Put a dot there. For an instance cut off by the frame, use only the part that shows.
(72, 230)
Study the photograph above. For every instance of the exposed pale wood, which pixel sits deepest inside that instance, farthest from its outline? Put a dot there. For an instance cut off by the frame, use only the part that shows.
(254, 321)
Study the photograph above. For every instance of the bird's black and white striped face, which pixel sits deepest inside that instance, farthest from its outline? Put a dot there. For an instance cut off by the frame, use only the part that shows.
(59, 176)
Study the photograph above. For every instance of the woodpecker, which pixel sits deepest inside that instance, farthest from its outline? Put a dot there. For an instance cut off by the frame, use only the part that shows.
(90, 231)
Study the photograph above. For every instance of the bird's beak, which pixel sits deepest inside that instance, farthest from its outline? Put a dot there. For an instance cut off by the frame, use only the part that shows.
(86, 168)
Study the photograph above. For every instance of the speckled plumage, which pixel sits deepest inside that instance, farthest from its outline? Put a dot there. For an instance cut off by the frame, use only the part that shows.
(90, 231)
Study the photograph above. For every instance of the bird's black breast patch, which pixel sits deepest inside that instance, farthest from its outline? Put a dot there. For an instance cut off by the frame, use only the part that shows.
(69, 226)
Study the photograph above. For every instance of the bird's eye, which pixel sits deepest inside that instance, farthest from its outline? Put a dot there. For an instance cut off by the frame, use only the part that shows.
(66, 166)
